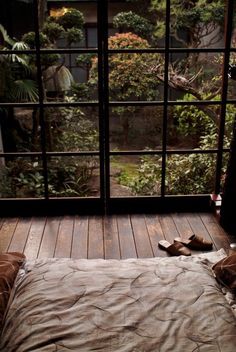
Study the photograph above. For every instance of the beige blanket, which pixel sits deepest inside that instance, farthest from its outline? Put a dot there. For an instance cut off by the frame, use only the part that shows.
(136, 305)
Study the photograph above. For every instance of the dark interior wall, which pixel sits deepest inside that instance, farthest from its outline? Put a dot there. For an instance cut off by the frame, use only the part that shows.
(16, 17)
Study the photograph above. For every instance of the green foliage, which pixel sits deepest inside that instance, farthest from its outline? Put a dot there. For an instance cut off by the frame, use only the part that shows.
(7, 41)
(72, 18)
(185, 174)
(84, 60)
(81, 91)
(29, 39)
(53, 30)
(194, 17)
(190, 120)
(131, 22)
(147, 181)
(74, 35)
(66, 177)
(129, 74)
(46, 60)
(16, 83)
(24, 90)
(78, 133)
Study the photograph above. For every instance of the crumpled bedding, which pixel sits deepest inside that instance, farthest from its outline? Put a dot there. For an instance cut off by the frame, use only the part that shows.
(134, 305)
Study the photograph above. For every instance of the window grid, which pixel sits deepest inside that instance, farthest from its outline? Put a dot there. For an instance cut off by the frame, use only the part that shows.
(103, 102)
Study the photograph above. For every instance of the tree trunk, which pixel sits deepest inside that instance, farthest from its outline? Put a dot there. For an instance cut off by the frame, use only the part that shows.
(42, 10)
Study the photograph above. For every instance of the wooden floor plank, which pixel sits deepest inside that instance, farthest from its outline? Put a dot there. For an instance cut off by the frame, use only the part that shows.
(64, 238)
(95, 238)
(47, 247)
(168, 227)
(198, 227)
(79, 248)
(141, 237)
(20, 235)
(6, 233)
(34, 238)
(155, 234)
(182, 225)
(127, 244)
(111, 238)
(217, 234)
(117, 236)
(184, 228)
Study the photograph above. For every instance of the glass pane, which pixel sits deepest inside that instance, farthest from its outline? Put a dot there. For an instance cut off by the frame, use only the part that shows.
(71, 129)
(68, 24)
(73, 177)
(195, 76)
(194, 24)
(92, 37)
(70, 77)
(229, 124)
(136, 128)
(18, 82)
(20, 129)
(21, 178)
(224, 170)
(11, 16)
(134, 76)
(144, 19)
(193, 126)
(135, 175)
(232, 76)
(190, 174)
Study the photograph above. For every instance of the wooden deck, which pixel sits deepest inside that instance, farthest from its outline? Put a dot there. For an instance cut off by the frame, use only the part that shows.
(116, 236)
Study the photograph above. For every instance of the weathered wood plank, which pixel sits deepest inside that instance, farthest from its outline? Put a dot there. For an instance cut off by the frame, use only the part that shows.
(95, 241)
(79, 248)
(34, 238)
(184, 228)
(127, 244)
(198, 227)
(20, 235)
(141, 237)
(217, 234)
(111, 238)
(47, 247)
(182, 225)
(155, 234)
(168, 227)
(64, 238)
(6, 233)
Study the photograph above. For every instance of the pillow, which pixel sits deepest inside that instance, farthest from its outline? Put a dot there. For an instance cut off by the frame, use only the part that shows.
(10, 264)
(225, 272)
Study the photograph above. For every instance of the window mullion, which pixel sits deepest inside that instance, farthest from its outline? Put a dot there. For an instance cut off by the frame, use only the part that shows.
(165, 106)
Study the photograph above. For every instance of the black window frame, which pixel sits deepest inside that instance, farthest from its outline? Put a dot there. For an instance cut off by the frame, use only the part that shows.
(105, 203)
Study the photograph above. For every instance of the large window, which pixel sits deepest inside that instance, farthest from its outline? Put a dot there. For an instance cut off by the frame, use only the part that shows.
(108, 105)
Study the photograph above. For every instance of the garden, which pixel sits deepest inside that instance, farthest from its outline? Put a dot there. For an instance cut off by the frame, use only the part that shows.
(193, 76)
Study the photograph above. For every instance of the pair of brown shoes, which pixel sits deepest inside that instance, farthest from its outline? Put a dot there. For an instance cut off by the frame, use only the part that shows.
(180, 245)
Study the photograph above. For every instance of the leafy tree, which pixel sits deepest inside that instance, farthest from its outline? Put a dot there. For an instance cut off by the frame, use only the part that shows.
(128, 77)
(57, 79)
(186, 174)
(17, 84)
(197, 18)
(131, 22)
